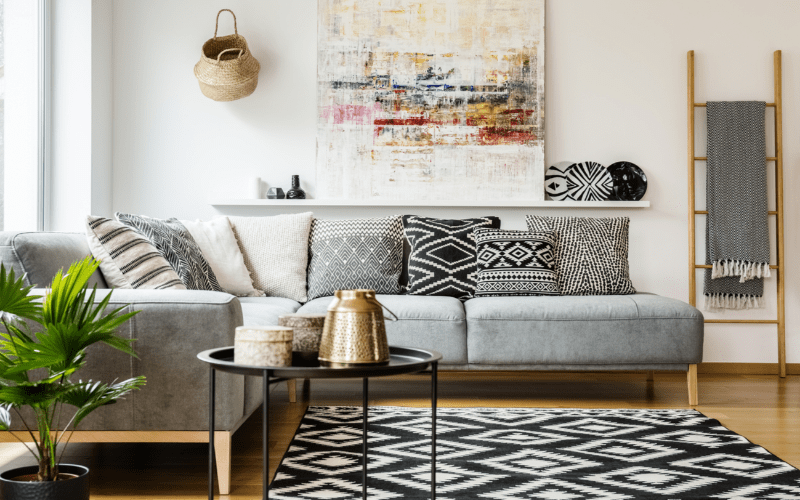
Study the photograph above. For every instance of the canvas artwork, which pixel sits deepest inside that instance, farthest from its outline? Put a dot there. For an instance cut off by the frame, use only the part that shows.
(430, 100)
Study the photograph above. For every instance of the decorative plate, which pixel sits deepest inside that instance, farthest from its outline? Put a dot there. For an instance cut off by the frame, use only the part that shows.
(589, 181)
(555, 181)
(630, 183)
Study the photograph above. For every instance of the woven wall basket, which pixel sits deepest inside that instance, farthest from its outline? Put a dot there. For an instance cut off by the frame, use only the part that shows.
(227, 70)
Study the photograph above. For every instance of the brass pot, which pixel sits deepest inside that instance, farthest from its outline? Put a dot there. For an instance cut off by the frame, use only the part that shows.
(354, 332)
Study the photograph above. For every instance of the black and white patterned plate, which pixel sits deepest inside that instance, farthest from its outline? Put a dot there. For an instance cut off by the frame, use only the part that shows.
(555, 181)
(629, 181)
(588, 181)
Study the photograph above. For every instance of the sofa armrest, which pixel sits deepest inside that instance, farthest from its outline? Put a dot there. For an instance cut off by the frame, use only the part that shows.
(170, 329)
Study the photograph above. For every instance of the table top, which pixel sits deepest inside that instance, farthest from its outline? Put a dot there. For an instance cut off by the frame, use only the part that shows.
(401, 360)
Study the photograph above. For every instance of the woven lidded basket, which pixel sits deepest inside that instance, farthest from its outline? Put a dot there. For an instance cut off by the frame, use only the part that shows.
(227, 70)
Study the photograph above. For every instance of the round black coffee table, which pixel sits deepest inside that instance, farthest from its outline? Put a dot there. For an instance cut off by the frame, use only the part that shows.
(403, 360)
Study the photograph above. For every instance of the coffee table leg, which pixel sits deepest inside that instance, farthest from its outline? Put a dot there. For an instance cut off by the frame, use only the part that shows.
(211, 391)
(364, 443)
(434, 398)
(265, 436)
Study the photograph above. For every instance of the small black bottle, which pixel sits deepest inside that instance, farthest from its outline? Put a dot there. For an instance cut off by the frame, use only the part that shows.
(296, 193)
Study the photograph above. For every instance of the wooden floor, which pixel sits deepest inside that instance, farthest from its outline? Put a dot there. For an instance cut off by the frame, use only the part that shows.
(763, 408)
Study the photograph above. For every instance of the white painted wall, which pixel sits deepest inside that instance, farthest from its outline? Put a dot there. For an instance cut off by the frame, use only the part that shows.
(616, 90)
(81, 112)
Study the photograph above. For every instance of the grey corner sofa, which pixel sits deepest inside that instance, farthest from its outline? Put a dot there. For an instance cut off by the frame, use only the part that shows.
(641, 332)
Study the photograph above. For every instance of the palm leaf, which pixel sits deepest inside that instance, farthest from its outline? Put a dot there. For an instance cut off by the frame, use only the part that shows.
(88, 396)
(15, 299)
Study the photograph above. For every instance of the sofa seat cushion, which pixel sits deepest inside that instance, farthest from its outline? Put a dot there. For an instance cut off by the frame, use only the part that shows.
(581, 330)
(264, 311)
(436, 323)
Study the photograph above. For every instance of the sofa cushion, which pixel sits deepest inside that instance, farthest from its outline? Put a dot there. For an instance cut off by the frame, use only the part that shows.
(591, 254)
(583, 330)
(443, 258)
(424, 322)
(39, 256)
(275, 252)
(128, 259)
(176, 244)
(264, 311)
(515, 263)
(355, 253)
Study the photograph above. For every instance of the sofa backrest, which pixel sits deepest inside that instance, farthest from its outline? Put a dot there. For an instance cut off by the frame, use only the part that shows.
(40, 255)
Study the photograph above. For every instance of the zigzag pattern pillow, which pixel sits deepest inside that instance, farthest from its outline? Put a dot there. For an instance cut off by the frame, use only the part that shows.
(592, 253)
(515, 263)
(359, 253)
(176, 244)
(443, 255)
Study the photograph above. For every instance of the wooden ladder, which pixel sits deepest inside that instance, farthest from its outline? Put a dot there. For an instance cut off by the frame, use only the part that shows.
(778, 212)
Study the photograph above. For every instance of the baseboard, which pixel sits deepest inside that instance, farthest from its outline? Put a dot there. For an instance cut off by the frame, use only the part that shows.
(747, 368)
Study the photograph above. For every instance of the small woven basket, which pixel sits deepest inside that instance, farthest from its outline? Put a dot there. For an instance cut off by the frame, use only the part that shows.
(227, 71)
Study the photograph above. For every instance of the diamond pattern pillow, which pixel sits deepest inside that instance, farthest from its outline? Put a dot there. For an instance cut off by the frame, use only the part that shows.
(443, 255)
(358, 253)
(176, 244)
(515, 263)
(591, 254)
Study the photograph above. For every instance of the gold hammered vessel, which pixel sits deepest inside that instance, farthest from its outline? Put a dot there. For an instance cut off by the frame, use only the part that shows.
(354, 332)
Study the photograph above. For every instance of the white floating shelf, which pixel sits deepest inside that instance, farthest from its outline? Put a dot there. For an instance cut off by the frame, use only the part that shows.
(436, 203)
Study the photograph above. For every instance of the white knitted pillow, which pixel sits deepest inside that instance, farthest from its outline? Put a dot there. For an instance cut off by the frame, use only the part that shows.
(275, 252)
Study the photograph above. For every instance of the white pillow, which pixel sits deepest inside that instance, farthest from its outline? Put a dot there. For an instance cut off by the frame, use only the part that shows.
(275, 251)
(218, 245)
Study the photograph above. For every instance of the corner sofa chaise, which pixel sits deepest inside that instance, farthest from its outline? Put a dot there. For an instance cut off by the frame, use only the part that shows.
(641, 332)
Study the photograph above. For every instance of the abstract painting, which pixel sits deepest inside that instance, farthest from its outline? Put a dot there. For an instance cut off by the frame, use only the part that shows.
(424, 100)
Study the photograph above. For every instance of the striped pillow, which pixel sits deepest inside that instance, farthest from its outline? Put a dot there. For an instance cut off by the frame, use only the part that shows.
(128, 259)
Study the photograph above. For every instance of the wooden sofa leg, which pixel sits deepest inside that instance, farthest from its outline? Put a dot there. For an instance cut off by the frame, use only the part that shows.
(691, 379)
(222, 450)
(291, 386)
(650, 376)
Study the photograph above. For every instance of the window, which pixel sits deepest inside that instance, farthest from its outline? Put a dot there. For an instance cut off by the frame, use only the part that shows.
(22, 118)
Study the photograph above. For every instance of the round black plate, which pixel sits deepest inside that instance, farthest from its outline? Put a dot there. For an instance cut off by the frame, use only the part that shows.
(630, 183)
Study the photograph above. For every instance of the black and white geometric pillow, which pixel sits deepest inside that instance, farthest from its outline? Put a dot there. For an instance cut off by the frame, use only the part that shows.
(176, 244)
(515, 263)
(591, 254)
(443, 255)
(357, 253)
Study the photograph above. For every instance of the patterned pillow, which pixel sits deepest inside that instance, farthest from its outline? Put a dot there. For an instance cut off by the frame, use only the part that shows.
(359, 253)
(173, 240)
(128, 259)
(443, 255)
(591, 254)
(515, 263)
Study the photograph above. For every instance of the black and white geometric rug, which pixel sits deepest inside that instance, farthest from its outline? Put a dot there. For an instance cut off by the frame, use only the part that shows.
(529, 453)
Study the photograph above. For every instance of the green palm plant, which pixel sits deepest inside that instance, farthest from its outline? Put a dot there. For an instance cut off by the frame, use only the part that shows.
(43, 345)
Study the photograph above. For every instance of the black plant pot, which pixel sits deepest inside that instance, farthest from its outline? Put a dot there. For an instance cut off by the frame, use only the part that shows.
(71, 489)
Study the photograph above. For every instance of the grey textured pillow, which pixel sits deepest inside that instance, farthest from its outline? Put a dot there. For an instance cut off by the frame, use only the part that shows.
(357, 253)
(275, 251)
(591, 254)
(176, 244)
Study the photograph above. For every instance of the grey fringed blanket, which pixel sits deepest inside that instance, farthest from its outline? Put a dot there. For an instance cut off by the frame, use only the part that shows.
(737, 231)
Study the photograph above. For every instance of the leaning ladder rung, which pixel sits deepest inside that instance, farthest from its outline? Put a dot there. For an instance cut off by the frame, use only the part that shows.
(750, 321)
(705, 158)
(708, 266)
(703, 104)
(705, 212)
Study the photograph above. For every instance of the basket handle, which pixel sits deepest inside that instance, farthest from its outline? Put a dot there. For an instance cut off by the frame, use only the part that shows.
(235, 29)
(241, 51)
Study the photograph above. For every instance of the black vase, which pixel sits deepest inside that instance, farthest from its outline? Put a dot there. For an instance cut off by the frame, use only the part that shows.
(295, 193)
(70, 489)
